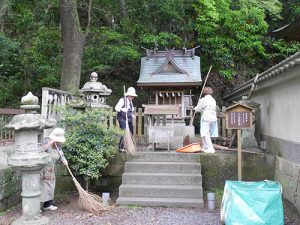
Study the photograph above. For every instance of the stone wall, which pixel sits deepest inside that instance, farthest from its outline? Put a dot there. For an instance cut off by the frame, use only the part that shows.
(110, 182)
(10, 180)
(288, 174)
(10, 188)
(217, 168)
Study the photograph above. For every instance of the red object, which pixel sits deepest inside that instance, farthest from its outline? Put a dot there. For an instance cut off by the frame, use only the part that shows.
(191, 148)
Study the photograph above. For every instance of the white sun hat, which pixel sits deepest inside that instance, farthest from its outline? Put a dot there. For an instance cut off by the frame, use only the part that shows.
(58, 135)
(131, 92)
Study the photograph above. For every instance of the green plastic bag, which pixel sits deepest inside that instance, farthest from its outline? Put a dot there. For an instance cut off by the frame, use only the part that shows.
(252, 203)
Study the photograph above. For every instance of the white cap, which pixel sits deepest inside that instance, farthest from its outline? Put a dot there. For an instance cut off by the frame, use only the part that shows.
(130, 92)
(58, 135)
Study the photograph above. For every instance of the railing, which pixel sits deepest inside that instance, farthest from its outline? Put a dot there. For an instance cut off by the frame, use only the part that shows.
(52, 100)
(51, 112)
(5, 117)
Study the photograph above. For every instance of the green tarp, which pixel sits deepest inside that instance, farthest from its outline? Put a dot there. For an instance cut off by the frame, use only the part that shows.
(252, 203)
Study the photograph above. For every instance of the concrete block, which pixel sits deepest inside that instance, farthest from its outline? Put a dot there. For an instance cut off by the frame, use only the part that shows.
(162, 202)
(163, 167)
(161, 191)
(162, 178)
(164, 157)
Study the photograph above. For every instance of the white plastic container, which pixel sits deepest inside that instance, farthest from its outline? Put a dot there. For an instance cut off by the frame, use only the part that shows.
(105, 199)
(211, 200)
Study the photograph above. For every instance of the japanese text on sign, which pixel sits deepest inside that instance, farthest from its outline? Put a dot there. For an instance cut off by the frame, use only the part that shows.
(238, 120)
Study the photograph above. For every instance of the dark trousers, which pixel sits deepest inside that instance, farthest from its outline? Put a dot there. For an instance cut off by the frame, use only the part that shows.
(48, 203)
(122, 124)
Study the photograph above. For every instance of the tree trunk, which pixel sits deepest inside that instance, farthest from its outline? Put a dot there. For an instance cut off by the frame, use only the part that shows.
(4, 7)
(73, 44)
(123, 8)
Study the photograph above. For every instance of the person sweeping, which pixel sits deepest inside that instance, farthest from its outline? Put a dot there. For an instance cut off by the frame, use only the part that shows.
(208, 123)
(47, 174)
(87, 201)
(125, 118)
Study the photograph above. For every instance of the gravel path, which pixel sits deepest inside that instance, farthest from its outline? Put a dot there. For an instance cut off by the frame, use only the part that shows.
(69, 213)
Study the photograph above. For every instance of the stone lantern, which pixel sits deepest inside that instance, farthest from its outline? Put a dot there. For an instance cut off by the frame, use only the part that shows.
(95, 93)
(29, 158)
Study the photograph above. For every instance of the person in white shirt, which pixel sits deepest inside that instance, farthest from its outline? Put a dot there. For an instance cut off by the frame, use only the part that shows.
(124, 108)
(208, 123)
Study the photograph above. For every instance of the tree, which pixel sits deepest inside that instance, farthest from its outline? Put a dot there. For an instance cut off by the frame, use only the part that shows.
(232, 32)
(73, 43)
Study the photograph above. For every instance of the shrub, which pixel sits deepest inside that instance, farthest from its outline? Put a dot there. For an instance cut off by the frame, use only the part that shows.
(90, 143)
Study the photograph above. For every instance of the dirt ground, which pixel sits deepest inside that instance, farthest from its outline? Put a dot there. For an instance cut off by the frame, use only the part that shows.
(69, 213)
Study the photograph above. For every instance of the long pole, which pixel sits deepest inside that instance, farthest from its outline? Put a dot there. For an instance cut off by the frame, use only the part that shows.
(239, 142)
(193, 117)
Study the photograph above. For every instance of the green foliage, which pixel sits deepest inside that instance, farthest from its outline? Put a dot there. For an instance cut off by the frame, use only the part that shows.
(90, 143)
(233, 36)
(10, 82)
(163, 39)
(105, 49)
(281, 49)
(232, 32)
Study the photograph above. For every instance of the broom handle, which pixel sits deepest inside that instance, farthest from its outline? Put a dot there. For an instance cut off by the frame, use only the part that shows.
(125, 103)
(70, 172)
(65, 165)
(192, 120)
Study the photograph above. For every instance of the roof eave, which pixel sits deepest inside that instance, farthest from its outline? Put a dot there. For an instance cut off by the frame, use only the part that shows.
(173, 84)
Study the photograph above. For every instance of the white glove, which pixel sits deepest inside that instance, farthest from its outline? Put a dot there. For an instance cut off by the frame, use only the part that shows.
(124, 110)
(133, 116)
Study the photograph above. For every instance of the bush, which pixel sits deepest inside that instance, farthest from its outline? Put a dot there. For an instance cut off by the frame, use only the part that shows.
(90, 143)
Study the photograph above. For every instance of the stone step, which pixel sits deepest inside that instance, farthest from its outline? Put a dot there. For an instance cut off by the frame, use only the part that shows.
(162, 167)
(161, 191)
(162, 202)
(162, 178)
(164, 157)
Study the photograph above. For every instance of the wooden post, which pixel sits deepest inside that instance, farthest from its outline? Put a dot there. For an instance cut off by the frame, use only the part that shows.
(111, 117)
(239, 117)
(140, 115)
(239, 142)
(223, 122)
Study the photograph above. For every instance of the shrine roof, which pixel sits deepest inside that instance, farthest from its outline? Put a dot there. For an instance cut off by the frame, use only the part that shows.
(289, 32)
(170, 68)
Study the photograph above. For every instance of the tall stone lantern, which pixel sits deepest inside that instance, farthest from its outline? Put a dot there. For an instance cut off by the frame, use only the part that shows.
(95, 93)
(29, 158)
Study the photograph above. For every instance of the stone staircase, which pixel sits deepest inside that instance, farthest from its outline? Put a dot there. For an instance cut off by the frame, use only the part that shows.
(162, 179)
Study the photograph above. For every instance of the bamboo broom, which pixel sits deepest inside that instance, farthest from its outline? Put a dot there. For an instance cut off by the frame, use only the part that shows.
(129, 142)
(87, 201)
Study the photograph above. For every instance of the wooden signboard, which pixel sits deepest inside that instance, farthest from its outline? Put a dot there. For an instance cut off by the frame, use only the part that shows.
(239, 117)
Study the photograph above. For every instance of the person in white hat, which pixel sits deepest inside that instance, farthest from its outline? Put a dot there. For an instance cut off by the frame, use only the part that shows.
(125, 107)
(208, 123)
(47, 175)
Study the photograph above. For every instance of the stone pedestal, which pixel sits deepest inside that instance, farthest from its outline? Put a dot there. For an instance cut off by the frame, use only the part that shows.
(31, 214)
(248, 138)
